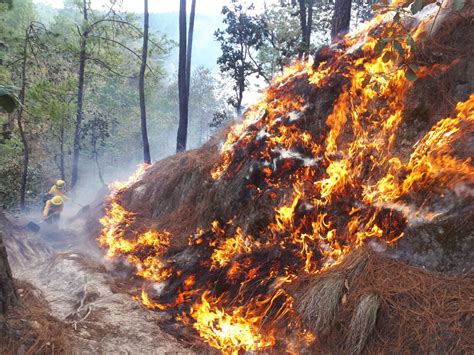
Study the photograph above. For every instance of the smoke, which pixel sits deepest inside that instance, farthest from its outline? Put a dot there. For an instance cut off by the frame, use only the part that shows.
(73, 232)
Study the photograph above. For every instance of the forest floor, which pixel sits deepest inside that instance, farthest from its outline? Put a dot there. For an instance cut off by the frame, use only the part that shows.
(97, 306)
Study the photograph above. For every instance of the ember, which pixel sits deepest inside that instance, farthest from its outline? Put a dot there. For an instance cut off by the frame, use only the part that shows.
(345, 182)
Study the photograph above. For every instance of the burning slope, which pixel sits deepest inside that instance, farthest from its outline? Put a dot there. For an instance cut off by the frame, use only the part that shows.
(323, 154)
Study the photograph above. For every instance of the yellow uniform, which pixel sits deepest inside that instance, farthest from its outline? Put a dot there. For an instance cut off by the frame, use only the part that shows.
(57, 191)
(52, 209)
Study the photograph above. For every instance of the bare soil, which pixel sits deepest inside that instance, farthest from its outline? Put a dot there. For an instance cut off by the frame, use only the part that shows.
(82, 306)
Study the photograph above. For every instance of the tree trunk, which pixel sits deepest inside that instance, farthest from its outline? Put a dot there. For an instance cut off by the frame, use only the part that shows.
(309, 28)
(141, 87)
(80, 101)
(190, 50)
(240, 95)
(8, 296)
(99, 169)
(341, 19)
(303, 24)
(183, 109)
(61, 150)
(26, 156)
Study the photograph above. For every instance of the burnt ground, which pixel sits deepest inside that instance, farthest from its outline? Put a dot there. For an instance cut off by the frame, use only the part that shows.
(68, 293)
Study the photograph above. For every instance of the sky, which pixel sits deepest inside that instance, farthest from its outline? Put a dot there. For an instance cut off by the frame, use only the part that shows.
(208, 7)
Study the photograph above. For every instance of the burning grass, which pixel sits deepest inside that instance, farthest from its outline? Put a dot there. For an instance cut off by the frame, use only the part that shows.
(310, 176)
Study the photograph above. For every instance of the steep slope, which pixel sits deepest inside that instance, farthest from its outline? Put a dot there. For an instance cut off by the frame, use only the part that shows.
(341, 154)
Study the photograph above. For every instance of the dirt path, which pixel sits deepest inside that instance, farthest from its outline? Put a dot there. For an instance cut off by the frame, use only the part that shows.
(73, 279)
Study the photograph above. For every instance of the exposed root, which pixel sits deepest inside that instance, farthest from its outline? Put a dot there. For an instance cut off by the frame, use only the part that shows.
(82, 312)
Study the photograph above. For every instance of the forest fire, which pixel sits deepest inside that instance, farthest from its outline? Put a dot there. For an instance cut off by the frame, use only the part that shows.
(338, 184)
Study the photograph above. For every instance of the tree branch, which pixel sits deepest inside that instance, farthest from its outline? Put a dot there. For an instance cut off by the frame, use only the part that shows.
(124, 22)
(125, 47)
(259, 68)
(107, 66)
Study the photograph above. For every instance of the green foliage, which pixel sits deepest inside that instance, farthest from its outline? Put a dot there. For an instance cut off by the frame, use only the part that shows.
(401, 43)
(418, 5)
(411, 71)
(110, 129)
(380, 45)
(204, 103)
(283, 30)
(396, 46)
(5, 5)
(10, 171)
(241, 39)
(282, 39)
(8, 99)
(410, 74)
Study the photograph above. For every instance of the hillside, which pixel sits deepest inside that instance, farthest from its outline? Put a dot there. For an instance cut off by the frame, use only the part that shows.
(341, 207)
(335, 217)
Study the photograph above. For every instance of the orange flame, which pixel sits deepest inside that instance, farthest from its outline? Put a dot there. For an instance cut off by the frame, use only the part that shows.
(339, 189)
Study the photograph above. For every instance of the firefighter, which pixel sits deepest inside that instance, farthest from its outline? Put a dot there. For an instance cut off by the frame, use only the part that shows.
(58, 188)
(52, 209)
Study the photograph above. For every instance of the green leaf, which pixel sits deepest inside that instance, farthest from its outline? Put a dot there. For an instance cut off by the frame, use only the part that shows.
(8, 100)
(410, 74)
(416, 6)
(398, 47)
(458, 5)
(387, 56)
(8, 103)
(380, 45)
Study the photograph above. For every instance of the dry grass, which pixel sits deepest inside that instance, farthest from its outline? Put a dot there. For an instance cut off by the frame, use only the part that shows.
(31, 330)
(363, 323)
(392, 305)
(320, 297)
(318, 306)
